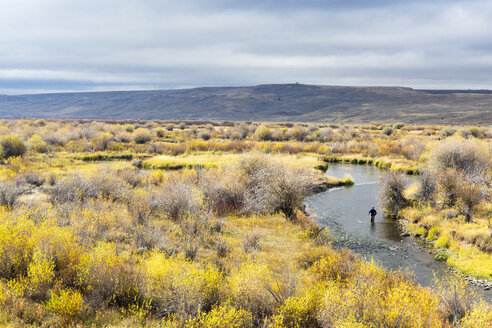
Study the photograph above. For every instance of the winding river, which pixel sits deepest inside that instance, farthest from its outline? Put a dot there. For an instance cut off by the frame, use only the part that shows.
(344, 211)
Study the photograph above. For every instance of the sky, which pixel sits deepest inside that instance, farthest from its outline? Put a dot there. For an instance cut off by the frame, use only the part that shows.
(89, 45)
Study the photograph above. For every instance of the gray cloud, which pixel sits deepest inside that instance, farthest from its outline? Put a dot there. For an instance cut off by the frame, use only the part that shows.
(128, 44)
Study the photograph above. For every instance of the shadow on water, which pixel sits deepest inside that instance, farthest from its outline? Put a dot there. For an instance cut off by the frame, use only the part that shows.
(344, 211)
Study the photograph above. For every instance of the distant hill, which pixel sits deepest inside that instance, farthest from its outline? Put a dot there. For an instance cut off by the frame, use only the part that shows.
(280, 102)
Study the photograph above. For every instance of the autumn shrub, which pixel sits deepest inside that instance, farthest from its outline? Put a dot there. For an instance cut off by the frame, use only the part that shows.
(427, 187)
(462, 168)
(447, 132)
(248, 288)
(155, 148)
(75, 146)
(387, 131)
(180, 287)
(263, 133)
(133, 176)
(143, 205)
(12, 146)
(66, 303)
(274, 187)
(81, 188)
(97, 220)
(10, 192)
(31, 178)
(222, 316)
(54, 139)
(70, 189)
(471, 195)
(468, 157)
(279, 135)
(195, 227)
(457, 298)
(102, 141)
(480, 316)
(36, 144)
(391, 187)
(300, 310)
(108, 277)
(222, 248)
(223, 190)
(204, 134)
(449, 182)
(251, 241)
(325, 134)
(61, 246)
(412, 149)
(40, 276)
(307, 258)
(160, 133)
(298, 133)
(16, 245)
(179, 197)
(149, 236)
(142, 136)
(365, 303)
(107, 186)
(335, 266)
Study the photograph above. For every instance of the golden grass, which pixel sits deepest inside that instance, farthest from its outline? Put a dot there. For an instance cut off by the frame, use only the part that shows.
(463, 240)
(208, 160)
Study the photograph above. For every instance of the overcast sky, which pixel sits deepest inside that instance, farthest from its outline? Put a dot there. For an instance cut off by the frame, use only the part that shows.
(60, 45)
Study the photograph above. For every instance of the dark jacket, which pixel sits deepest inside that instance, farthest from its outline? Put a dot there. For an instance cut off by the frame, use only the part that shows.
(373, 212)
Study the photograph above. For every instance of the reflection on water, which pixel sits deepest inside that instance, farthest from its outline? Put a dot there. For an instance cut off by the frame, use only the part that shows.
(345, 212)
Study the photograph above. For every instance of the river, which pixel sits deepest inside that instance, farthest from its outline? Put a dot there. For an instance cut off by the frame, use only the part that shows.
(344, 211)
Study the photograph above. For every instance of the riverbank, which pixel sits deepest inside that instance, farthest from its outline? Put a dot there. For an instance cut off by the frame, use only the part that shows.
(464, 246)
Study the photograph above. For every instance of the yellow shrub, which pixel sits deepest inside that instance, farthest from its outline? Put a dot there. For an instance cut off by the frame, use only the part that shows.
(96, 220)
(59, 243)
(67, 304)
(78, 146)
(15, 245)
(249, 286)
(379, 303)
(306, 259)
(109, 276)
(40, 275)
(37, 144)
(16, 164)
(6, 174)
(181, 286)
(300, 311)
(336, 266)
(222, 316)
(196, 145)
(481, 316)
(10, 292)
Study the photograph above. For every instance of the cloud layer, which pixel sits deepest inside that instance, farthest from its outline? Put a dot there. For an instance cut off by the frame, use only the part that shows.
(58, 45)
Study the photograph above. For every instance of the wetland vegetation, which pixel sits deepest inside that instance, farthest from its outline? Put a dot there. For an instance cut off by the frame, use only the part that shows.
(202, 224)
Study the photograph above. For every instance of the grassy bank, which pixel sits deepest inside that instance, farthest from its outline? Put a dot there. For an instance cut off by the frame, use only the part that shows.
(466, 246)
(209, 160)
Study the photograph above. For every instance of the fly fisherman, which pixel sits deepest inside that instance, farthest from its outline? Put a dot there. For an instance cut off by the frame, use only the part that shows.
(372, 213)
